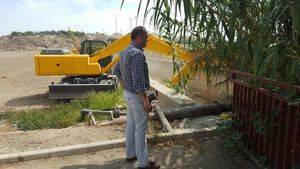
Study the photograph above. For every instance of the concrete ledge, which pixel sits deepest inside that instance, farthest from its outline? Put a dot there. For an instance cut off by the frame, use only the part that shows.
(98, 146)
(61, 151)
(181, 134)
(168, 98)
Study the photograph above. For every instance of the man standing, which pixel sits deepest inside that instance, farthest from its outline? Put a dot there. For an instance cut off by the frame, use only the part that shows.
(132, 71)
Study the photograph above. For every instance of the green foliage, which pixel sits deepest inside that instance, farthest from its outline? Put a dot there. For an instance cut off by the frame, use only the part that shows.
(262, 160)
(169, 84)
(27, 33)
(111, 39)
(68, 33)
(64, 114)
(234, 142)
(231, 138)
(296, 166)
(57, 117)
(263, 125)
(255, 36)
(102, 100)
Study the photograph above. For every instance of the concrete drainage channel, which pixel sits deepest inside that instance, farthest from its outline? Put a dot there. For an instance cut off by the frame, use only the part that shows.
(185, 109)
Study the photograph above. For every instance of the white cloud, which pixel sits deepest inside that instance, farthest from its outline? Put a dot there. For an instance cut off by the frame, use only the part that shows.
(82, 15)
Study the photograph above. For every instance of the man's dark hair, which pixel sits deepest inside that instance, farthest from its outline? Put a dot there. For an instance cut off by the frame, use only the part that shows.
(139, 30)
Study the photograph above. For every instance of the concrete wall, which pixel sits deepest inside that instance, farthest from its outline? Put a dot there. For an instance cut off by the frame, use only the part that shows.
(161, 68)
(213, 93)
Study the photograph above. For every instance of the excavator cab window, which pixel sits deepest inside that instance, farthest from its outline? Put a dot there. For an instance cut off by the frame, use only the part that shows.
(91, 46)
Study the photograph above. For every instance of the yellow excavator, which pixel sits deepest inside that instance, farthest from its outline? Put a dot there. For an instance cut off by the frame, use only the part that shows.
(89, 69)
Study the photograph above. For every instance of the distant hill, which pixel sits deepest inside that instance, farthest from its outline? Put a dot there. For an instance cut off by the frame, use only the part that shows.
(52, 39)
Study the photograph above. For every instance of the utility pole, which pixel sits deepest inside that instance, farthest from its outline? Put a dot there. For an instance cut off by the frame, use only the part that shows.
(130, 24)
(135, 20)
(116, 22)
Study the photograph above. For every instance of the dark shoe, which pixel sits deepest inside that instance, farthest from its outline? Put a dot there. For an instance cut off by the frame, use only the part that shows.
(151, 165)
(131, 159)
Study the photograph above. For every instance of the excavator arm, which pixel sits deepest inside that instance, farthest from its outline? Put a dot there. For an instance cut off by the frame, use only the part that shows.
(154, 43)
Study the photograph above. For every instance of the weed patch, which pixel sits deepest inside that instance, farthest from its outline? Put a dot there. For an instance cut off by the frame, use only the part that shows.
(64, 114)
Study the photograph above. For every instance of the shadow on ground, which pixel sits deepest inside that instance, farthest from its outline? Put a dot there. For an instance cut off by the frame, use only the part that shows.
(115, 164)
(193, 154)
(31, 100)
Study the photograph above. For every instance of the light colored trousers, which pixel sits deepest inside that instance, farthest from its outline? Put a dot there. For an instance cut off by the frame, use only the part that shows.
(136, 128)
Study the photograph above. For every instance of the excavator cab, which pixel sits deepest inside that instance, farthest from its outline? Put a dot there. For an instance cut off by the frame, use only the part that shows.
(92, 46)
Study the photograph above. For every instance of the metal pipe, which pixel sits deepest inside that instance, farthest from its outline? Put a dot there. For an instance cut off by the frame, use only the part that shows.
(192, 111)
(152, 97)
(174, 113)
(162, 117)
(114, 112)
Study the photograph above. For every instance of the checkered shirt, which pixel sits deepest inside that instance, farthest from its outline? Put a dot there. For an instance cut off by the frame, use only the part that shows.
(132, 69)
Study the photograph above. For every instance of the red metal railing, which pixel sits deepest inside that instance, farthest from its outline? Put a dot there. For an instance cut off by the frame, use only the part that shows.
(270, 125)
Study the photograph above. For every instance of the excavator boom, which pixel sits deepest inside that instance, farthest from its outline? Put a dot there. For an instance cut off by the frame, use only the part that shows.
(154, 43)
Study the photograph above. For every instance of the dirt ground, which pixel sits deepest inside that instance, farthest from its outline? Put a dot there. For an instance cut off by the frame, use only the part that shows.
(19, 86)
(20, 141)
(206, 153)
(198, 153)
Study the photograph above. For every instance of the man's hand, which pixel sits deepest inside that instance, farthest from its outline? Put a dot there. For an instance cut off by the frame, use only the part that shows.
(147, 104)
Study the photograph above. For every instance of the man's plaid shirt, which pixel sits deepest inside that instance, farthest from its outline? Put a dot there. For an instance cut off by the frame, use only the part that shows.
(132, 69)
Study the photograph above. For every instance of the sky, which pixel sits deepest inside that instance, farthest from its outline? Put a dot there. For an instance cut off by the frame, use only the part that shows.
(78, 15)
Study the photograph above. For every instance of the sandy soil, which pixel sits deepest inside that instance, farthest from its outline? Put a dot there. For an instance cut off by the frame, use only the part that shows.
(20, 141)
(19, 86)
(204, 153)
(21, 89)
